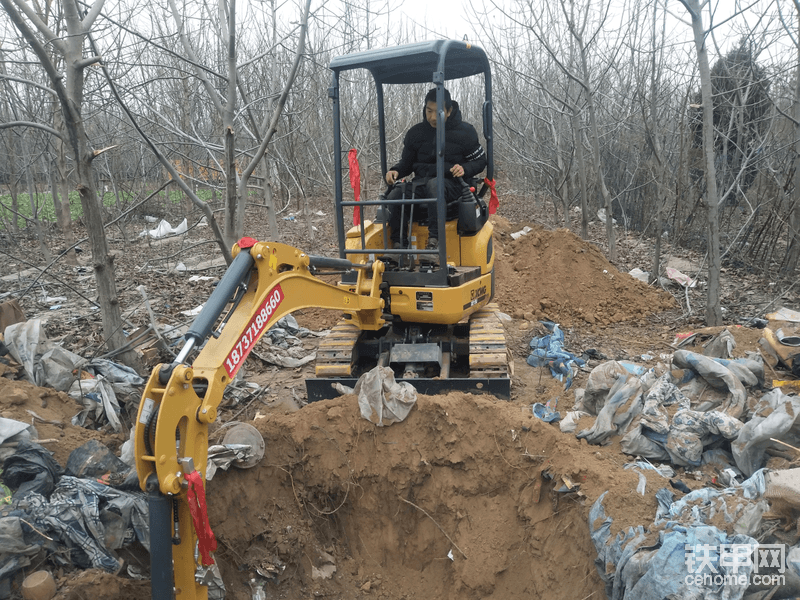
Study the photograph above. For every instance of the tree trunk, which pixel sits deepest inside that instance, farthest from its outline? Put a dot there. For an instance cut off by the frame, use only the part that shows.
(601, 182)
(63, 179)
(578, 136)
(793, 251)
(35, 221)
(713, 308)
(63, 216)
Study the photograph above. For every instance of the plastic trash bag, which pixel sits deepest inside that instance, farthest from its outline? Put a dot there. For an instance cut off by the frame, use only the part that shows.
(545, 413)
(9, 429)
(122, 377)
(717, 376)
(633, 571)
(59, 366)
(26, 343)
(623, 404)
(548, 351)
(73, 519)
(44, 362)
(570, 421)
(382, 400)
(748, 449)
(93, 460)
(689, 433)
(99, 403)
(721, 345)
(603, 377)
(164, 229)
(31, 470)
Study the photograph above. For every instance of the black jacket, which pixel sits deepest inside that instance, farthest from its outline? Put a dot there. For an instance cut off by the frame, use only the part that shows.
(461, 148)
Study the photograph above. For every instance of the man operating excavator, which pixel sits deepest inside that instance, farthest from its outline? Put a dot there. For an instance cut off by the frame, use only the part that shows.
(464, 157)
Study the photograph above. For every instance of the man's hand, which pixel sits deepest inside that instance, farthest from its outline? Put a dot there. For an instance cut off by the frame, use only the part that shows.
(391, 177)
(457, 171)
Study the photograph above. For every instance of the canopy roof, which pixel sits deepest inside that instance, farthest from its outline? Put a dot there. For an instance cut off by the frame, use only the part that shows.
(416, 63)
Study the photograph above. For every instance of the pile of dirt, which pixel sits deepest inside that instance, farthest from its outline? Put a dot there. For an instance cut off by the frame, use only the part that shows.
(50, 412)
(458, 501)
(555, 275)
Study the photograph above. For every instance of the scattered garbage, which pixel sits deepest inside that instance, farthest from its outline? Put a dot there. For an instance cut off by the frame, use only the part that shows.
(642, 276)
(243, 446)
(673, 275)
(518, 234)
(601, 214)
(708, 396)
(548, 351)
(633, 565)
(164, 229)
(76, 520)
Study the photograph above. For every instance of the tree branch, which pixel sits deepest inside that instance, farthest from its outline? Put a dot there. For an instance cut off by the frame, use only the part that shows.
(28, 82)
(40, 25)
(49, 130)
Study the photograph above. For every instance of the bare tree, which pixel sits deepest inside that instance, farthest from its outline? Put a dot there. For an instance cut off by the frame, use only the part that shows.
(793, 251)
(68, 87)
(713, 306)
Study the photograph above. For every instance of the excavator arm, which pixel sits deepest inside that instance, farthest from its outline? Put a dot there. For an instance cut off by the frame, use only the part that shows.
(264, 282)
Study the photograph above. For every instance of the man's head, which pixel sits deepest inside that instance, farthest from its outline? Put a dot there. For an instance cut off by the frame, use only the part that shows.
(430, 106)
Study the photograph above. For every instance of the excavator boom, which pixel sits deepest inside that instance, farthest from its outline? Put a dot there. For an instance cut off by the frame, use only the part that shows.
(264, 282)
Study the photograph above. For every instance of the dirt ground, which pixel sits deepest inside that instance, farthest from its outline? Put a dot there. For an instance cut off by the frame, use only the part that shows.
(457, 501)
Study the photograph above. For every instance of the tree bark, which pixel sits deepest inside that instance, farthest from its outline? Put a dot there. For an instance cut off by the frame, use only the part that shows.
(793, 250)
(598, 167)
(713, 307)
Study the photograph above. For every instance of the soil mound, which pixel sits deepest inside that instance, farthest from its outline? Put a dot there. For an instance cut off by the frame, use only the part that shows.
(457, 501)
(556, 275)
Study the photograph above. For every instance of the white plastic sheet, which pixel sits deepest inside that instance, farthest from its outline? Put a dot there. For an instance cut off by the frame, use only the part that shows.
(164, 229)
(383, 400)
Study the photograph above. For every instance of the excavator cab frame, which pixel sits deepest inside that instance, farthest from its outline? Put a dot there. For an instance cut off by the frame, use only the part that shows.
(422, 62)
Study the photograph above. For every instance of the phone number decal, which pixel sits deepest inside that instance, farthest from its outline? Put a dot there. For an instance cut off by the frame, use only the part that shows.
(253, 331)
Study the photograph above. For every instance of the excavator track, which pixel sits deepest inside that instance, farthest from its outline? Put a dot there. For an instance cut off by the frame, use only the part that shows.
(335, 353)
(490, 365)
(488, 355)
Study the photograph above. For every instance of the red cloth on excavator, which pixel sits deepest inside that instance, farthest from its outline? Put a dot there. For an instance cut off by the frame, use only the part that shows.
(196, 495)
(494, 201)
(355, 183)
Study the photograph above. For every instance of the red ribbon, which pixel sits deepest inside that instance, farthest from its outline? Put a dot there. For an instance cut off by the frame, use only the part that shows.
(196, 495)
(355, 183)
(494, 201)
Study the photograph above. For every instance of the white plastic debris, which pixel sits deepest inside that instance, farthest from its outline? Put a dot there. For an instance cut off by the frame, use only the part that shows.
(383, 400)
(164, 229)
(680, 278)
(643, 276)
(193, 312)
(518, 234)
(601, 214)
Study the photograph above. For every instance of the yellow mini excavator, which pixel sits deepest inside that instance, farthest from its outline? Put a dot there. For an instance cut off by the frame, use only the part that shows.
(435, 326)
